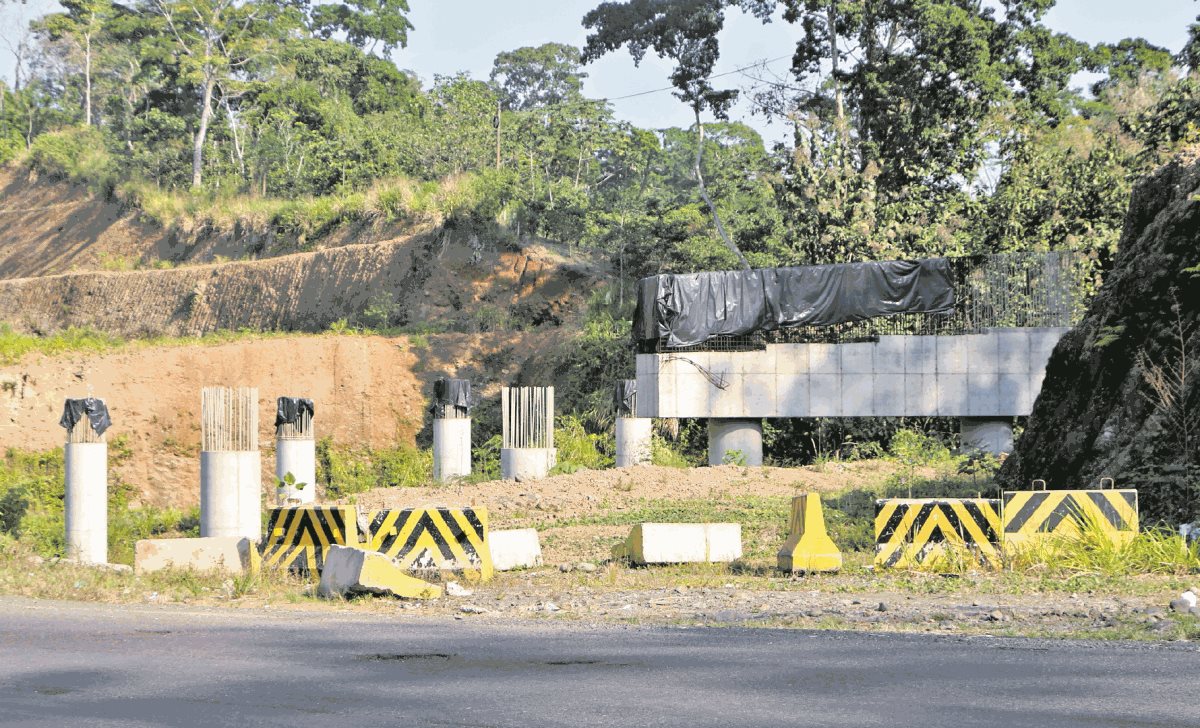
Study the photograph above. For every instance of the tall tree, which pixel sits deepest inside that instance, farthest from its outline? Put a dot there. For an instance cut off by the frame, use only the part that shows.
(367, 23)
(81, 23)
(214, 42)
(538, 76)
(686, 32)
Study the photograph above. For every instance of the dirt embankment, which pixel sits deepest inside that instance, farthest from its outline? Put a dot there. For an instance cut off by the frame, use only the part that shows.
(368, 390)
(434, 279)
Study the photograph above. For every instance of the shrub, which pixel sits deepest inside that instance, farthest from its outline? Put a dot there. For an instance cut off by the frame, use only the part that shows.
(78, 155)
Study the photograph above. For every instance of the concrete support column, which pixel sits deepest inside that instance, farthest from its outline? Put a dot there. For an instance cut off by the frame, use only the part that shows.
(230, 465)
(230, 494)
(634, 438)
(86, 501)
(451, 448)
(527, 433)
(727, 436)
(298, 457)
(986, 434)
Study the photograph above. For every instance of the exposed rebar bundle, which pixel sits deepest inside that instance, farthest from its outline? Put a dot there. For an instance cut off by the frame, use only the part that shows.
(84, 432)
(528, 417)
(229, 419)
(293, 418)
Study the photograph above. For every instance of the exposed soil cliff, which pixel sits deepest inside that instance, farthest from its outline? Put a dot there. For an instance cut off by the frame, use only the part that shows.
(1097, 414)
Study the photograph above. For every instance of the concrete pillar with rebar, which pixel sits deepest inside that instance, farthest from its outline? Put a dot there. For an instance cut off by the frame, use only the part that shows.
(295, 452)
(527, 450)
(85, 499)
(634, 434)
(451, 429)
(230, 468)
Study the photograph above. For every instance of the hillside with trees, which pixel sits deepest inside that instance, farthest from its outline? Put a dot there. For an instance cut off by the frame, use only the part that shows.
(238, 130)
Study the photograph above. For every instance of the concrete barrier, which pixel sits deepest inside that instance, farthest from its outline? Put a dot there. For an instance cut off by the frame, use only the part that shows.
(298, 537)
(808, 547)
(450, 539)
(1031, 517)
(682, 543)
(350, 570)
(950, 533)
(515, 549)
(216, 553)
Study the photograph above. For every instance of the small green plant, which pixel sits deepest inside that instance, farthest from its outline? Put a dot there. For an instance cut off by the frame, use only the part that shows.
(734, 457)
(288, 481)
(341, 326)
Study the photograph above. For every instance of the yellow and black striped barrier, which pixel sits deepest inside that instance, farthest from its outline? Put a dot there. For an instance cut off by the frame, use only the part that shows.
(927, 531)
(299, 537)
(451, 539)
(1033, 516)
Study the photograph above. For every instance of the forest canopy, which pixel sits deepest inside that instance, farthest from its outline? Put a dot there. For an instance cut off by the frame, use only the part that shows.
(918, 127)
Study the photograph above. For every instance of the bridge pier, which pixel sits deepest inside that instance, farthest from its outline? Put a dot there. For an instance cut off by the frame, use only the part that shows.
(727, 435)
(986, 434)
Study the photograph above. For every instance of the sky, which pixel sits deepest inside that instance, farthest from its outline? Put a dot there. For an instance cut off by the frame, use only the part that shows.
(465, 35)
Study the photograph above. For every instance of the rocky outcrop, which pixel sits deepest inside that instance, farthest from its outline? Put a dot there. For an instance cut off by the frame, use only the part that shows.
(1097, 415)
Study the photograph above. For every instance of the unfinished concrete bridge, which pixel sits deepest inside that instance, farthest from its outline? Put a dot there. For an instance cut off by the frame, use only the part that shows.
(950, 337)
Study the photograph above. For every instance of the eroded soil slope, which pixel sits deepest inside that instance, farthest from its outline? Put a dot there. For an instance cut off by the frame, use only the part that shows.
(368, 390)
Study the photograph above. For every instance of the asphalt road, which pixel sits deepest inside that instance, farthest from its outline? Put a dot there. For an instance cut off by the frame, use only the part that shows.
(88, 665)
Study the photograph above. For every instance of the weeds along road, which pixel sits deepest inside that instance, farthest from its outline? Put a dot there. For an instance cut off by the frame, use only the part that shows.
(81, 664)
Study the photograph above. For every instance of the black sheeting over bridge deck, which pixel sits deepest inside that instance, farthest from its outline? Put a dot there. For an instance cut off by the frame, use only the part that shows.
(687, 309)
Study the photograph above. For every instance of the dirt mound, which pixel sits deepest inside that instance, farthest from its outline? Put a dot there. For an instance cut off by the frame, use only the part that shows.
(369, 390)
(581, 492)
(1096, 415)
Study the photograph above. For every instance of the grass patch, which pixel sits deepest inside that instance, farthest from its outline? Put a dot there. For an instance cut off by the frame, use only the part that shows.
(350, 470)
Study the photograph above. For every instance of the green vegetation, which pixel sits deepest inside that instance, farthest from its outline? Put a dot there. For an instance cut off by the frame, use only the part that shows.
(31, 506)
(348, 470)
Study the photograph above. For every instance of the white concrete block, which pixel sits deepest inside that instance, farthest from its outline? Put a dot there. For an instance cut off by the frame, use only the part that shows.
(349, 570)
(1015, 394)
(920, 395)
(983, 394)
(634, 439)
(215, 553)
(824, 359)
(889, 355)
(1041, 345)
(858, 358)
(951, 354)
(515, 549)
(889, 395)
(1012, 351)
(790, 358)
(685, 543)
(792, 395)
(858, 395)
(758, 396)
(951, 394)
(983, 353)
(920, 354)
(825, 395)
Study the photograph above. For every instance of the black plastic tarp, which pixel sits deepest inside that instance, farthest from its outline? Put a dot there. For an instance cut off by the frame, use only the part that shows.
(454, 393)
(289, 409)
(94, 409)
(688, 309)
(624, 395)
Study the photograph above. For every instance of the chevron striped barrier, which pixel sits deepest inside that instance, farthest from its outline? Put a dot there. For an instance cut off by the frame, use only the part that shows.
(451, 539)
(1031, 517)
(925, 531)
(299, 537)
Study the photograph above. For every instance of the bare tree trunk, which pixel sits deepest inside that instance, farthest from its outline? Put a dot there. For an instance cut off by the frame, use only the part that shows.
(237, 140)
(831, 22)
(87, 80)
(708, 200)
(201, 133)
